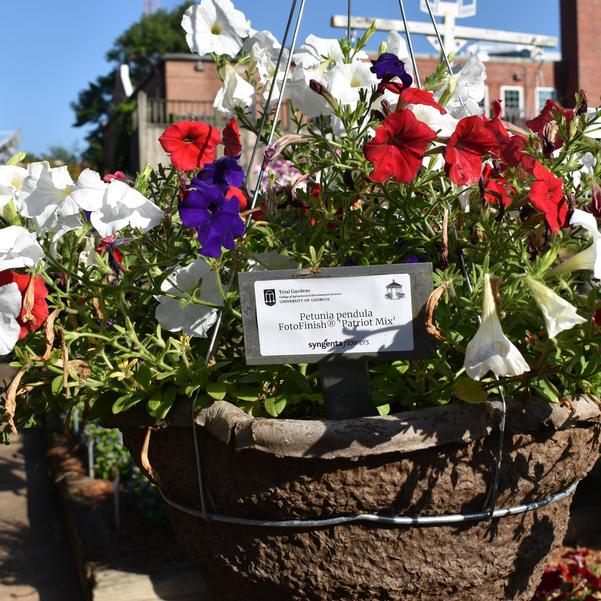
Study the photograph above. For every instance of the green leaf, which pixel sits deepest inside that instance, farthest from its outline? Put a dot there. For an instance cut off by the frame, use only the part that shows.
(216, 390)
(101, 406)
(469, 390)
(143, 376)
(57, 385)
(125, 402)
(275, 405)
(383, 409)
(159, 406)
(248, 393)
(17, 158)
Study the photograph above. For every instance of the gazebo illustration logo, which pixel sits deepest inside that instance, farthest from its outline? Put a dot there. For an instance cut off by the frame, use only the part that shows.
(394, 291)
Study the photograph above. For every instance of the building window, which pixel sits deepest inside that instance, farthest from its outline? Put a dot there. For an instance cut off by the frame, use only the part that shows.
(542, 95)
(513, 103)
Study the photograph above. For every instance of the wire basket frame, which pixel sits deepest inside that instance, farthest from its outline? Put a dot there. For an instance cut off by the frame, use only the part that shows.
(489, 510)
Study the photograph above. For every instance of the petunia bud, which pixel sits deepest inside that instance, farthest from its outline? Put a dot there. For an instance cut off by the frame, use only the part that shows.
(386, 109)
(550, 137)
(596, 203)
(320, 89)
(581, 103)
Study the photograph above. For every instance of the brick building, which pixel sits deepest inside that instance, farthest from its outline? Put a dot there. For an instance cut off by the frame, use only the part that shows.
(183, 86)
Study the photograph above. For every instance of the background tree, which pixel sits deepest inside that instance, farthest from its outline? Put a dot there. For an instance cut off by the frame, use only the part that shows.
(141, 47)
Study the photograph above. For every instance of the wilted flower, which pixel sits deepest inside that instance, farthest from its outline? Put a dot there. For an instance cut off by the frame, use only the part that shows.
(215, 26)
(490, 349)
(180, 315)
(10, 308)
(34, 309)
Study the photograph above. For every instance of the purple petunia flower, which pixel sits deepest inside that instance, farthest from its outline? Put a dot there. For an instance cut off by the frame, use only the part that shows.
(389, 65)
(225, 173)
(216, 219)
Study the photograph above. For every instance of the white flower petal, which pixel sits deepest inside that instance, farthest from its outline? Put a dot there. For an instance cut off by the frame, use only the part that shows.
(490, 349)
(215, 26)
(11, 182)
(90, 190)
(346, 81)
(235, 92)
(192, 319)
(559, 314)
(10, 308)
(18, 248)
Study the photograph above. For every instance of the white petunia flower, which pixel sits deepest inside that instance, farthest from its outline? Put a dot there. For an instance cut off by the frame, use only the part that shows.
(264, 50)
(46, 197)
(11, 182)
(490, 349)
(588, 161)
(10, 309)
(468, 87)
(303, 98)
(235, 92)
(346, 81)
(316, 51)
(590, 258)
(18, 248)
(396, 45)
(558, 313)
(199, 280)
(215, 26)
(122, 206)
(444, 125)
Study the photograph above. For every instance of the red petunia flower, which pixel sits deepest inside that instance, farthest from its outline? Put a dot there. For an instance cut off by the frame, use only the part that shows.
(537, 125)
(410, 96)
(240, 195)
(34, 310)
(496, 187)
(231, 139)
(470, 141)
(495, 125)
(398, 148)
(546, 194)
(190, 144)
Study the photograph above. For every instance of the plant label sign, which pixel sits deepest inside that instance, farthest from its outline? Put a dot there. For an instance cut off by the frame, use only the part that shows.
(294, 316)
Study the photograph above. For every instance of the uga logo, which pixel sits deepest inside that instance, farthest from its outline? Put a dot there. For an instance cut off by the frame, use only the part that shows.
(269, 297)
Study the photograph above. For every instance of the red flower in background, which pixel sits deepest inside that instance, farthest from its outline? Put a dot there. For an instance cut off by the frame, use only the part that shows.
(546, 194)
(190, 144)
(470, 141)
(398, 148)
(118, 175)
(34, 310)
(240, 195)
(496, 187)
(231, 139)
(537, 125)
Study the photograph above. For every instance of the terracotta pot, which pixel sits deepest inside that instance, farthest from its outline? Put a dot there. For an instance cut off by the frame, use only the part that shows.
(430, 462)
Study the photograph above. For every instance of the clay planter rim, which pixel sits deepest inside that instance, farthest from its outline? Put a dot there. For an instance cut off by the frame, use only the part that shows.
(367, 436)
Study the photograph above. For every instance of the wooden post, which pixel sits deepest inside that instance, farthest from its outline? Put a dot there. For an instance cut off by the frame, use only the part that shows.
(346, 389)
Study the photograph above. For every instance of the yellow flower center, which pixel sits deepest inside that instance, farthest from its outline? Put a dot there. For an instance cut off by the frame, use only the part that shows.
(216, 29)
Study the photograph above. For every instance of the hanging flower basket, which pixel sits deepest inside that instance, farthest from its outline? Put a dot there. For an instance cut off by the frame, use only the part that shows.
(433, 462)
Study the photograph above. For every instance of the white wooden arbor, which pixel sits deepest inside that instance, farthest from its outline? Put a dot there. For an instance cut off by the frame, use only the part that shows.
(454, 36)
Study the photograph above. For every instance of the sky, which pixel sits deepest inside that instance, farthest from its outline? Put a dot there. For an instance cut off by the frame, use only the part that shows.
(52, 49)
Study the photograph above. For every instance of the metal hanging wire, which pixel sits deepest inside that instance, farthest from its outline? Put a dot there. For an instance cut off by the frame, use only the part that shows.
(391, 521)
